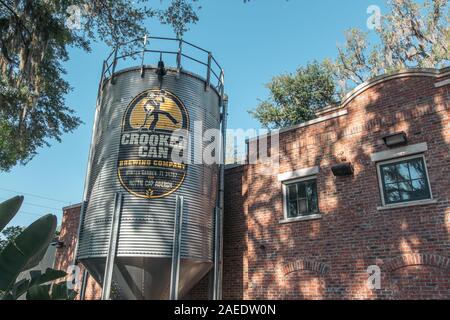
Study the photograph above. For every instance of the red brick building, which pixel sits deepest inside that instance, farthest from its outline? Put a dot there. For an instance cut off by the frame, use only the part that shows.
(302, 232)
(65, 255)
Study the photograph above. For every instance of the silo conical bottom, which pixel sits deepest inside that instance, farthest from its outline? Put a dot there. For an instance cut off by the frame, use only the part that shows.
(144, 278)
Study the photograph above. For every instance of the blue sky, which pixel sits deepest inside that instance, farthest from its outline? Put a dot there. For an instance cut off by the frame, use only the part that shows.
(253, 42)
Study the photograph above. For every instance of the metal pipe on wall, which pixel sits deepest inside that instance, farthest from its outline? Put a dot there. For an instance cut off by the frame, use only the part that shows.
(218, 261)
(176, 256)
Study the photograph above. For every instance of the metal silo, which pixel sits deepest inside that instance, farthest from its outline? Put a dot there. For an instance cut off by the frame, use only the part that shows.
(151, 226)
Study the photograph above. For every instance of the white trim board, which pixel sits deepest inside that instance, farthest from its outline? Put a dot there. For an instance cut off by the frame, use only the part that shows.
(407, 204)
(303, 218)
(304, 124)
(298, 174)
(399, 152)
(442, 83)
(317, 120)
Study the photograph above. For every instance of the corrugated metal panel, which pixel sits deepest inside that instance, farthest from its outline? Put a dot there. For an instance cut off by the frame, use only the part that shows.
(147, 225)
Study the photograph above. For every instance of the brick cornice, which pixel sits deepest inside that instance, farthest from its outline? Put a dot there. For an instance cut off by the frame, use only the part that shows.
(417, 259)
(438, 74)
(305, 264)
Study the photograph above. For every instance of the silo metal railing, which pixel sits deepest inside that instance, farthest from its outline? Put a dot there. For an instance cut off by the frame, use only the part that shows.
(214, 72)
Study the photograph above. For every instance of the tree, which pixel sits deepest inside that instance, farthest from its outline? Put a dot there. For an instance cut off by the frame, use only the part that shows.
(35, 36)
(294, 98)
(8, 235)
(411, 35)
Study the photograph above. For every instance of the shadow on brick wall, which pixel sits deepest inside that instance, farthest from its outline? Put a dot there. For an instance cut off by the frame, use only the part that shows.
(353, 234)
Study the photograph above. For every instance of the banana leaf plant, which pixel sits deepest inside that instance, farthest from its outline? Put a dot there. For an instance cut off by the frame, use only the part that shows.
(24, 253)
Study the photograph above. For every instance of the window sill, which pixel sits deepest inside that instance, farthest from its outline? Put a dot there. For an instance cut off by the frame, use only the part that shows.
(304, 218)
(407, 204)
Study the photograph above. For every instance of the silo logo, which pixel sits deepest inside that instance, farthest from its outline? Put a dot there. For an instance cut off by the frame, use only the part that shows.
(145, 165)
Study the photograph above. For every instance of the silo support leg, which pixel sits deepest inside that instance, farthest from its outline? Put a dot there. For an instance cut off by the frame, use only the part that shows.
(219, 213)
(84, 284)
(217, 271)
(176, 251)
(112, 249)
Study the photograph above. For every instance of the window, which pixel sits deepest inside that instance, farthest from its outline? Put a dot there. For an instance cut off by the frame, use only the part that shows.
(404, 180)
(300, 198)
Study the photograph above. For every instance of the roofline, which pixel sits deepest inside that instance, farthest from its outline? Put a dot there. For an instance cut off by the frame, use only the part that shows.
(72, 206)
(338, 113)
(412, 72)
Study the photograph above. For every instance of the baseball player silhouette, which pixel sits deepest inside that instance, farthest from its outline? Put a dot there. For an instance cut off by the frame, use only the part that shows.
(153, 108)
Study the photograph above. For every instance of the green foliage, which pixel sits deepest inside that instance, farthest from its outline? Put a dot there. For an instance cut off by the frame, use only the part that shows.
(39, 293)
(294, 98)
(413, 34)
(8, 235)
(38, 283)
(61, 292)
(179, 15)
(35, 36)
(8, 210)
(24, 251)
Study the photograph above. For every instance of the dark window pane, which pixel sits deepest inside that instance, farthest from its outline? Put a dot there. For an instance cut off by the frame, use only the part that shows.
(419, 184)
(311, 192)
(416, 169)
(405, 189)
(310, 186)
(292, 213)
(393, 196)
(302, 206)
(301, 187)
(313, 206)
(420, 190)
(292, 192)
(392, 193)
(391, 187)
(405, 181)
(389, 174)
(403, 172)
(302, 198)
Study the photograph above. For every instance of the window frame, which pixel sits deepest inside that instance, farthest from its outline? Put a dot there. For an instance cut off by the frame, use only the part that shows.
(311, 215)
(381, 181)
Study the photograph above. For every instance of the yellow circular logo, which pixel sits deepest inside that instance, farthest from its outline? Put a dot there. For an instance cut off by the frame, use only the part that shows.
(145, 165)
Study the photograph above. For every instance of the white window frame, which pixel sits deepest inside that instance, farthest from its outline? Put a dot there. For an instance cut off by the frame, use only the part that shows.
(301, 173)
(405, 151)
(406, 203)
(285, 184)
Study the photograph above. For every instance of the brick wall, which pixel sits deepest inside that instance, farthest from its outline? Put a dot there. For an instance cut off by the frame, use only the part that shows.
(65, 255)
(328, 258)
